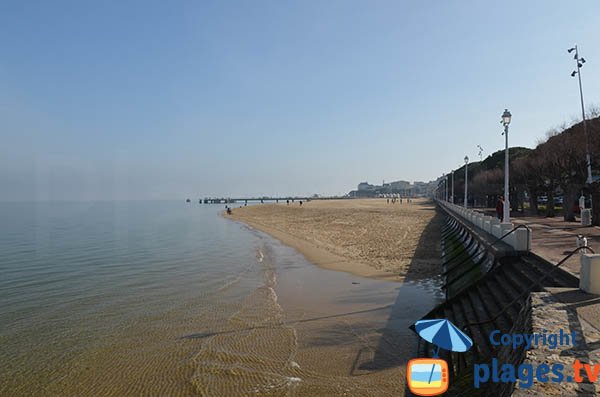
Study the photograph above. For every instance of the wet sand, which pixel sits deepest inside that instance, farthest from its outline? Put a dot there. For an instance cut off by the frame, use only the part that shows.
(350, 330)
(314, 332)
(365, 237)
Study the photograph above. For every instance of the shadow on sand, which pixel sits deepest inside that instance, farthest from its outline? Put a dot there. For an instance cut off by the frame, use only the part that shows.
(398, 344)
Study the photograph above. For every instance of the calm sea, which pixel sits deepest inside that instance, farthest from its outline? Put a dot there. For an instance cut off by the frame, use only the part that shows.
(169, 298)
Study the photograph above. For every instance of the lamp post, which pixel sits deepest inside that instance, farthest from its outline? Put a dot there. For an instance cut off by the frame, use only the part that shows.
(452, 187)
(506, 116)
(466, 177)
(444, 188)
(579, 62)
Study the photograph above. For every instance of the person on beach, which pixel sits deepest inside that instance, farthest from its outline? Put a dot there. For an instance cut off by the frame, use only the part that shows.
(300, 203)
(228, 211)
(500, 208)
(288, 202)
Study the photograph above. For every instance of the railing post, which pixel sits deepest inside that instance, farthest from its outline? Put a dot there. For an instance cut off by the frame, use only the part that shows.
(589, 276)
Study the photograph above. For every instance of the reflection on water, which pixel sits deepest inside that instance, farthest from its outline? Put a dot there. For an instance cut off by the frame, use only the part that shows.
(168, 298)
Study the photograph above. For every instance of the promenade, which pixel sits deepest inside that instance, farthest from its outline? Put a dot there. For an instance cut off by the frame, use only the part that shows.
(553, 239)
(569, 309)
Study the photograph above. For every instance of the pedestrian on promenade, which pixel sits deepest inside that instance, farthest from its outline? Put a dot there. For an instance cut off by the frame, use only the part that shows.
(500, 208)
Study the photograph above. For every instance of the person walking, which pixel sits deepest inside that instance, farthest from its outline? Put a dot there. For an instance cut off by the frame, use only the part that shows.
(500, 208)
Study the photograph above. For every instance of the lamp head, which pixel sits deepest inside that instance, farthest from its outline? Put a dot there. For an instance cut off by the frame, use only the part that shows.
(506, 116)
(466, 159)
(570, 50)
(573, 73)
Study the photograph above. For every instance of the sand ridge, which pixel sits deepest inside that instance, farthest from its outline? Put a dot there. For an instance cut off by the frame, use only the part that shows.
(366, 237)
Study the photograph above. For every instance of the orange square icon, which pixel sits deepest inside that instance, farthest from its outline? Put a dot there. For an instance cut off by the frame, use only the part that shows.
(427, 376)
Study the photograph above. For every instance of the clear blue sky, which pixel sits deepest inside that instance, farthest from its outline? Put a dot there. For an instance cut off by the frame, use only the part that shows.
(142, 100)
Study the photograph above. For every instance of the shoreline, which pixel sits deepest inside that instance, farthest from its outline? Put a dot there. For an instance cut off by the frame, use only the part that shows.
(319, 256)
(395, 239)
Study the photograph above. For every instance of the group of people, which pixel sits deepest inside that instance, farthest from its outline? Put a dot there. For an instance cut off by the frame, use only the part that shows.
(395, 199)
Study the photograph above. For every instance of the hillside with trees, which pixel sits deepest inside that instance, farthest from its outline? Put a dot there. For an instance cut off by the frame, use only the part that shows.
(555, 168)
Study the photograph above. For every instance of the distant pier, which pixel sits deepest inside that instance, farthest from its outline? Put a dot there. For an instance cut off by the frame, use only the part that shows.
(229, 200)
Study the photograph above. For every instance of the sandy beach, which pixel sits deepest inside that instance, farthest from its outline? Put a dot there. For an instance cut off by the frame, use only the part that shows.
(366, 237)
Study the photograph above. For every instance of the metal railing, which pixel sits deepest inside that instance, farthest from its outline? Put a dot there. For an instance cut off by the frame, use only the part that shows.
(528, 290)
(512, 231)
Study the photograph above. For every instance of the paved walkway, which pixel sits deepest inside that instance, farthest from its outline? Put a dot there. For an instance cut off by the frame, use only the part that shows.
(553, 238)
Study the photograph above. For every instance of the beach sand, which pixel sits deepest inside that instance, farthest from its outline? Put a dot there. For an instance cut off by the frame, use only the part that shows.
(351, 333)
(365, 237)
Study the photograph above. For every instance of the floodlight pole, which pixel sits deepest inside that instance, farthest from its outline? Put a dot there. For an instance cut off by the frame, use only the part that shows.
(579, 63)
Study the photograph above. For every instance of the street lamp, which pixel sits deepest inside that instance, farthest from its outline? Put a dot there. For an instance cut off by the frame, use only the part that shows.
(443, 187)
(466, 177)
(506, 116)
(579, 62)
(452, 186)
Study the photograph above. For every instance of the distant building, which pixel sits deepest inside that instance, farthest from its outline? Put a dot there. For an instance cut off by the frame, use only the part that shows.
(400, 185)
(365, 186)
(400, 188)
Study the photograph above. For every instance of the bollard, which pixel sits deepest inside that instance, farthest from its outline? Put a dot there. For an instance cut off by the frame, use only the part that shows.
(487, 224)
(589, 276)
(581, 241)
(522, 240)
(586, 217)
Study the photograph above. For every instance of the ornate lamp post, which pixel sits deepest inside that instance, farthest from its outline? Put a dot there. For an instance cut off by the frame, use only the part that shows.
(506, 116)
(452, 186)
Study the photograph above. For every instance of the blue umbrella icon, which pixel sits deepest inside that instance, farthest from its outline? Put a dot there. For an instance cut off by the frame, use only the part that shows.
(443, 334)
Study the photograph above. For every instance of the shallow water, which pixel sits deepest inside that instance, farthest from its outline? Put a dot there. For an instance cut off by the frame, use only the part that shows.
(168, 298)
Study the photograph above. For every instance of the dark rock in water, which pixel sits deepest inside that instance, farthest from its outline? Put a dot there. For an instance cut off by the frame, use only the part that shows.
(188, 201)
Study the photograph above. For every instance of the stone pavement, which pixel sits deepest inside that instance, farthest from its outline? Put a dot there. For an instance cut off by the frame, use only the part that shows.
(564, 308)
(553, 238)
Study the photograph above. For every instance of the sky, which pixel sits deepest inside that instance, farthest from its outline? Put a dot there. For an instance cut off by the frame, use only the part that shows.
(120, 100)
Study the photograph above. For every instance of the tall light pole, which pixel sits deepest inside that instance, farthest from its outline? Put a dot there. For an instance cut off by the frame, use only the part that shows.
(452, 186)
(579, 62)
(447, 189)
(444, 187)
(466, 177)
(506, 116)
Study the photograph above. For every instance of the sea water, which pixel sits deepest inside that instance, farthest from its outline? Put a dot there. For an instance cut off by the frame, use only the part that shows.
(172, 298)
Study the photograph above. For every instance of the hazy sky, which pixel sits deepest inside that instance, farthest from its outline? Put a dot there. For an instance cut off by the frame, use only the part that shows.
(166, 99)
